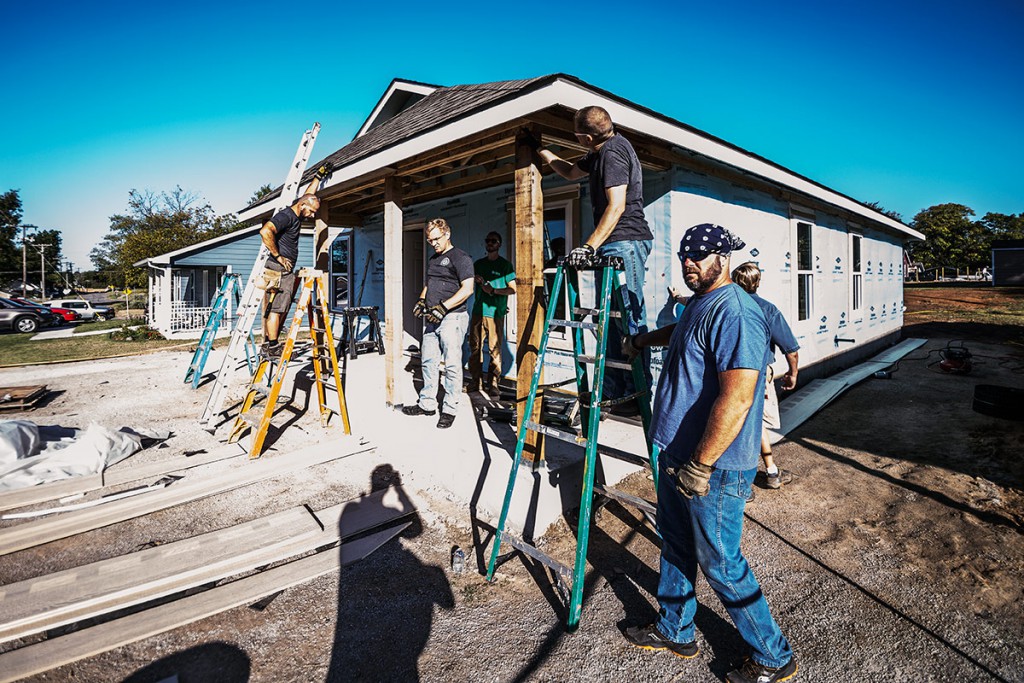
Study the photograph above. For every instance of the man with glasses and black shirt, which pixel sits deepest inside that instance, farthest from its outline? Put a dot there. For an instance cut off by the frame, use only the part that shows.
(442, 305)
(495, 279)
(707, 423)
(620, 228)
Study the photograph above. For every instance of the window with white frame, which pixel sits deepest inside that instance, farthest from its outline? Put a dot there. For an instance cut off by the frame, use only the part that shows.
(804, 270)
(856, 273)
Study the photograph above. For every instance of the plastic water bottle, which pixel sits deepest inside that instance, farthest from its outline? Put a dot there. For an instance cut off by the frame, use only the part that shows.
(458, 560)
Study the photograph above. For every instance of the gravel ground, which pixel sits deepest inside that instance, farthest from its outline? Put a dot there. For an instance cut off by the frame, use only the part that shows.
(895, 554)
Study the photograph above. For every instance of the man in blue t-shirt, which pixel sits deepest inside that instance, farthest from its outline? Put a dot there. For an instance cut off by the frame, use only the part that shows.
(620, 227)
(748, 276)
(707, 423)
(442, 305)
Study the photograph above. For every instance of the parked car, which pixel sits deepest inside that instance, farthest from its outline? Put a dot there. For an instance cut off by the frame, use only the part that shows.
(15, 316)
(85, 308)
(67, 314)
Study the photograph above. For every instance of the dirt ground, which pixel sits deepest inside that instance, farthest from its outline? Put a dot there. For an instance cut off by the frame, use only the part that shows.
(895, 554)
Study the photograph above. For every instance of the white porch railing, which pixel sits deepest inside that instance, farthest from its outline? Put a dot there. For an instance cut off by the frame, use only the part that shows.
(187, 317)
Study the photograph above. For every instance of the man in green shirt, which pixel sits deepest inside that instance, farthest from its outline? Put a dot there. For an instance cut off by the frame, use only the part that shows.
(495, 279)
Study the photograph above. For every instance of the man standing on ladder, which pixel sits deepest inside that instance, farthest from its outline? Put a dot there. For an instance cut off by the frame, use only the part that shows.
(442, 305)
(707, 423)
(281, 236)
(620, 228)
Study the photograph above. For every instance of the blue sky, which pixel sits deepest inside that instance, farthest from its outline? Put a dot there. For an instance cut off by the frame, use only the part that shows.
(908, 104)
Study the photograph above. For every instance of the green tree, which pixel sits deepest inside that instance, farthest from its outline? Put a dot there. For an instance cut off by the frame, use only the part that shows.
(1003, 226)
(260, 193)
(154, 224)
(10, 219)
(44, 243)
(953, 238)
(895, 215)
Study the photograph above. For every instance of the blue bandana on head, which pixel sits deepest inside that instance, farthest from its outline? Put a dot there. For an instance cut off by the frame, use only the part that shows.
(709, 239)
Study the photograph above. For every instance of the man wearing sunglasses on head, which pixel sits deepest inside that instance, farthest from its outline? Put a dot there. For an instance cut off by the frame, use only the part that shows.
(620, 228)
(495, 279)
(707, 423)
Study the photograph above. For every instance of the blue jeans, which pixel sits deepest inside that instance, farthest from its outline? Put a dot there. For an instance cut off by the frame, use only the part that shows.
(443, 342)
(706, 531)
(634, 253)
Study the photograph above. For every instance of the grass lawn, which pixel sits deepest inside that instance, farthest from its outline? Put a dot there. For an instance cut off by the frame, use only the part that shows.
(16, 349)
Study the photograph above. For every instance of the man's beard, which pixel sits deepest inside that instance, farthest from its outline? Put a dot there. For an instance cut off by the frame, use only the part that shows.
(704, 281)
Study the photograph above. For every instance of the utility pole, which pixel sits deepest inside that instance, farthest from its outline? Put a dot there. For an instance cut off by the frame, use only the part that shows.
(24, 257)
(42, 269)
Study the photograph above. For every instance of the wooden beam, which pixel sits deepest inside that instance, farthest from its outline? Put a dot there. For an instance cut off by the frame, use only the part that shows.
(30, 534)
(49, 654)
(529, 232)
(393, 313)
(65, 597)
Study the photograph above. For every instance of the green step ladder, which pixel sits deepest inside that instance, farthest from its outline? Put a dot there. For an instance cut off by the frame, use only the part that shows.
(230, 290)
(611, 290)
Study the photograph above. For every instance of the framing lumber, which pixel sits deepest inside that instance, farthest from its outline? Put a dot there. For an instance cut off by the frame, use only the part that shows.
(529, 222)
(73, 647)
(31, 534)
(66, 597)
(114, 475)
(394, 324)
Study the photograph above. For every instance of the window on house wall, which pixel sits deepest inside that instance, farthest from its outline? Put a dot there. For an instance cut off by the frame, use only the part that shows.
(341, 272)
(856, 273)
(557, 243)
(804, 270)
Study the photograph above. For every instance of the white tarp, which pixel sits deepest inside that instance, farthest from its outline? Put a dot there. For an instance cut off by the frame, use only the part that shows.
(31, 455)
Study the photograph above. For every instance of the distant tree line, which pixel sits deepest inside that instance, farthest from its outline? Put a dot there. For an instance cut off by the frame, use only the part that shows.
(154, 224)
(955, 239)
(39, 244)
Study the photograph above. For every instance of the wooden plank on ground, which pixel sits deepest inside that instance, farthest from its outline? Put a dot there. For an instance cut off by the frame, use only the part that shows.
(73, 647)
(30, 495)
(30, 534)
(46, 602)
(113, 476)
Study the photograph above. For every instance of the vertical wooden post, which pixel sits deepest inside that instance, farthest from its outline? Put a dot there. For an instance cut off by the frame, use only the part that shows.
(393, 323)
(529, 231)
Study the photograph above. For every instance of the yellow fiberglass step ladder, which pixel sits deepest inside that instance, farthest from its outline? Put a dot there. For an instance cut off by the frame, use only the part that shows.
(268, 379)
(249, 303)
(609, 271)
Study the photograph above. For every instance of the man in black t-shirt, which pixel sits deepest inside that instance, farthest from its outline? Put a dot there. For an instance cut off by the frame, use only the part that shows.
(620, 228)
(281, 236)
(442, 305)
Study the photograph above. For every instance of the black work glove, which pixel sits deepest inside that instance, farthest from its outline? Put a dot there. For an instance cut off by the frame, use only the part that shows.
(581, 257)
(629, 348)
(529, 139)
(692, 479)
(420, 308)
(324, 170)
(436, 314)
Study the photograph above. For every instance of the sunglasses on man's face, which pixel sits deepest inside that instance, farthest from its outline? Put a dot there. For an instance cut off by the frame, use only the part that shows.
(694, 256)
(492, 241)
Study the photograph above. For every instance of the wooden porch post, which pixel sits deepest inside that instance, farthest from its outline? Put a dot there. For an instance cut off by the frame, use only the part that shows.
(393, 322)
(529, 231)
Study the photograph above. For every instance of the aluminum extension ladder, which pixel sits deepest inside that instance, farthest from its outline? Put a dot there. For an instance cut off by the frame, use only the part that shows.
(229, 290)
(249, 305)
(267, 380)
(610, 293)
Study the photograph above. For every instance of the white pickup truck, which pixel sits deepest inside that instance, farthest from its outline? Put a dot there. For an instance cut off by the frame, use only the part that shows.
(88, 311)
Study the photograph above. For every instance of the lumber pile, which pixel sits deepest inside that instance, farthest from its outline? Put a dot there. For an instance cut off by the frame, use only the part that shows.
(189, 579)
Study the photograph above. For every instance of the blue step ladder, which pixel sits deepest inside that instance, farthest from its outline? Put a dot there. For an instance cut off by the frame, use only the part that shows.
(611, 277)
(230, 291)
